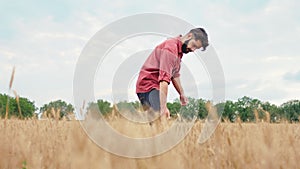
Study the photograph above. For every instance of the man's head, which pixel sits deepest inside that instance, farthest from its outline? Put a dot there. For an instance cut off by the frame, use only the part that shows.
(195, 39)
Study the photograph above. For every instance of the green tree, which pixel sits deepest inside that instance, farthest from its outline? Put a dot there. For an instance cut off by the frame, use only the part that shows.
(194, 108)
(202, 111)
(174, 107)
(60, 106)
(275, 112)
(246, 106)
(229, 111)
(104, 106)
(27, 107)
(125, 106)
(291, 110)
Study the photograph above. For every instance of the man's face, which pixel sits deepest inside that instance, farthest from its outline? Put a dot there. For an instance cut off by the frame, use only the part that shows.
(191, 45)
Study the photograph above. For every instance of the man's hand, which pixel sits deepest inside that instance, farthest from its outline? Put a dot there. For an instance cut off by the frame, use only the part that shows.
(183, 100)
(165, 112)
(177, 84)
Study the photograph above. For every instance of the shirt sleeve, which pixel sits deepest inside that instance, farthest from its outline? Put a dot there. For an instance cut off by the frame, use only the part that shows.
(176, 73)
(167, 59)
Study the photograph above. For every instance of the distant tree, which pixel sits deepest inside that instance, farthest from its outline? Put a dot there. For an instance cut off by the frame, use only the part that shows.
(275, 112)
(27, 107)
(229, 111)
(246, 106)
(136, 105)
(174, 107)
(194, 108)
(101, 106)
(3, 102)
(104, 106)
(57, 109)
(124, 106)
(202, 111)
(291, 110)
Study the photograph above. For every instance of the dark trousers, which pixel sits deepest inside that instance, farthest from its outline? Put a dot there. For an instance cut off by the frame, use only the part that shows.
(150, 100)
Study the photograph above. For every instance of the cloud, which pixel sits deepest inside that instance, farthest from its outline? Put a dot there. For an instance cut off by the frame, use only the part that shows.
(257, 43)
(273, 59)
(292, 76)
(44, 54)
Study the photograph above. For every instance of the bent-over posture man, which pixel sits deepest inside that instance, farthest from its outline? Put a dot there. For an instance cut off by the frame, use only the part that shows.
(163, 67)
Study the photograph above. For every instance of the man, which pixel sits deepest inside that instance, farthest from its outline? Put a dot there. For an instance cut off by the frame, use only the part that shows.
(163, 66)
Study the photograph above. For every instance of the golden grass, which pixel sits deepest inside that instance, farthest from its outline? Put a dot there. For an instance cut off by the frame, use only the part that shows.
(64, 144)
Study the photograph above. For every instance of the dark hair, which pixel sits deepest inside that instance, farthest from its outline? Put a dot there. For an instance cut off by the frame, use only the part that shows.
(200, 34)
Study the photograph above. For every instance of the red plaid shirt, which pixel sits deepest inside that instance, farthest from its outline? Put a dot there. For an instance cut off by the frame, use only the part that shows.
(163, 64)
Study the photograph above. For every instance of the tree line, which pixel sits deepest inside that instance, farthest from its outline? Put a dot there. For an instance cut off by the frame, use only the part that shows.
(245, 109)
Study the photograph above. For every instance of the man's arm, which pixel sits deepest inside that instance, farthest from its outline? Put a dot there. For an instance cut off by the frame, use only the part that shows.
(163, 92)
(177, 84)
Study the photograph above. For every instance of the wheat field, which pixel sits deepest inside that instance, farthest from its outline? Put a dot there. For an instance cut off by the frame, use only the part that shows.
(64, 144)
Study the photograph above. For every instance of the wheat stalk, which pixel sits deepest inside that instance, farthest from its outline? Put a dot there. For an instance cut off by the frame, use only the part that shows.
(57, 115)
(18, 103)
(256, 116)
(6, 110)
(239, 121)
(267, 116)
(10, 85)
(12, 78)
(212, 111)
(53, 115)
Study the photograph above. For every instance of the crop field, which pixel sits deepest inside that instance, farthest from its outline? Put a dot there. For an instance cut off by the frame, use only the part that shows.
(64, 144)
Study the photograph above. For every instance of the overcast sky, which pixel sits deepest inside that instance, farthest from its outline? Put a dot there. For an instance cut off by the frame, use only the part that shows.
(257, 43)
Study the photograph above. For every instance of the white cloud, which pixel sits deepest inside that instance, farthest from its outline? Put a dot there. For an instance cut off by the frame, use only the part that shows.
(256, 47)
(278, 58)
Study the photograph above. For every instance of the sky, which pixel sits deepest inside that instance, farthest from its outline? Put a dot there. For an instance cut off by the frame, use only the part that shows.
(256, 42)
